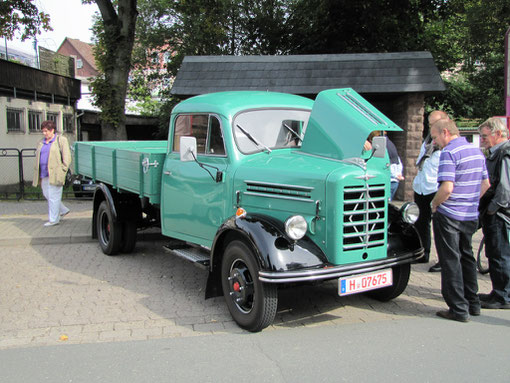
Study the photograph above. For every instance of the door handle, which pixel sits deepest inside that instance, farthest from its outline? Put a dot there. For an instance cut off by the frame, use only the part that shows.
(166, 172)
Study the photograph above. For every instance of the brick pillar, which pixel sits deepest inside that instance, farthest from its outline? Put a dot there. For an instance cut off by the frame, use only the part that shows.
(408, 110)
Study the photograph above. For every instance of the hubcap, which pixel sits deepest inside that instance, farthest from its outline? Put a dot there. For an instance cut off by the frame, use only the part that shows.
(241, 286)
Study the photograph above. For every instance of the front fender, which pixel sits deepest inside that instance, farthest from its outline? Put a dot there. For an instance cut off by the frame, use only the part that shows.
(267, 237)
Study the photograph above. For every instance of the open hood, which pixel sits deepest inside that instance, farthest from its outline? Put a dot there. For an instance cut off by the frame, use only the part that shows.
(340, 122)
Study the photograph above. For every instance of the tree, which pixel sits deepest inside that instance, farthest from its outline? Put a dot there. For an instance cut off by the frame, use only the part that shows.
(115, 35)
(22, 16)
(344, 26)
(200, 27)
(472, 45)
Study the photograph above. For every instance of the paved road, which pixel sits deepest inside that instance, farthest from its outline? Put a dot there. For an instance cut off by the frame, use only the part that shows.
(74, 290)
(62, 301)
(412, 349)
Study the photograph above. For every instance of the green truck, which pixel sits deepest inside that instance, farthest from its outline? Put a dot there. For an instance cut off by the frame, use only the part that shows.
(263, 190)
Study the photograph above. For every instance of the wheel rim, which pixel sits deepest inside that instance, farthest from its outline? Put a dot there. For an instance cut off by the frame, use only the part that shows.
(104, 228)
(241, 286)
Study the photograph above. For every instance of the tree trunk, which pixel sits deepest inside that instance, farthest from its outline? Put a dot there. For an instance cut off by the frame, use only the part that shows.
(119, 39)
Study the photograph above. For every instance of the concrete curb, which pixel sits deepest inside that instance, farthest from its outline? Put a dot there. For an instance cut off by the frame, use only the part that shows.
(61, 240)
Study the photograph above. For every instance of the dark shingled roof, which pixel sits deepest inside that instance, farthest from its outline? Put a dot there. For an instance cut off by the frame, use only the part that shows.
(375, 73)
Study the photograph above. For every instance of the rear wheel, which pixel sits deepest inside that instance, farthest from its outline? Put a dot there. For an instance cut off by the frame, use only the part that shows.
(109, 232)
(251, 303)
(128, 236)
(400, 279)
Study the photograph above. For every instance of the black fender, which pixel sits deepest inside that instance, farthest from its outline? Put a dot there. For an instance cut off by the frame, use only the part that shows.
(275, 251)
(124, 206)
(402, 236)
(266, 236)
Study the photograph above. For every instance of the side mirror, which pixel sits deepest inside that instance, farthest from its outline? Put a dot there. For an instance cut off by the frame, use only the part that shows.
(379, 146)
(188, 148)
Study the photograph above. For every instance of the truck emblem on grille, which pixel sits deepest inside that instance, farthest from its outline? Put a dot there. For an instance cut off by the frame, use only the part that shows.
(365, 177)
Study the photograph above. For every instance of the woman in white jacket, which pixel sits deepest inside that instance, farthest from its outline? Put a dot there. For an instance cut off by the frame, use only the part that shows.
(53, 158)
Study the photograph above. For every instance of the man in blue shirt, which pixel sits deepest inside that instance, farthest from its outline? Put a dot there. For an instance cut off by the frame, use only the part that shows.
(463, 179)
(425, 187)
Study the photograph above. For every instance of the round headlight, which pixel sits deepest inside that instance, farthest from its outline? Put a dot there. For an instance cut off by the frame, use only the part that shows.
(410, 212)
(296, 227)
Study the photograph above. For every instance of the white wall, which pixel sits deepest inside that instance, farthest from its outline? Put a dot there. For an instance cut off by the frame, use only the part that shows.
(26, 139)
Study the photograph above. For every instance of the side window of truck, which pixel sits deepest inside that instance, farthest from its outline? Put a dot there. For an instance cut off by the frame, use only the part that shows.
(206, 129)
(216, 145)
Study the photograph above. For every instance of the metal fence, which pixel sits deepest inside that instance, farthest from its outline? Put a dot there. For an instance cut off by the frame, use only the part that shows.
(17, 173)
(11, 174)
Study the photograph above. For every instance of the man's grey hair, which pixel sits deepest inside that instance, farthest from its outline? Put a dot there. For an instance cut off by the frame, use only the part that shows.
(494, 124)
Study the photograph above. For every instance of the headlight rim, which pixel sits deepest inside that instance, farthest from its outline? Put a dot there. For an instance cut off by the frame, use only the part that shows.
(407, 213)
(292, 220)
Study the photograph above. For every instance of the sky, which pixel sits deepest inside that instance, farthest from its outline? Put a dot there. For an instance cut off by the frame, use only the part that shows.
(68, 18)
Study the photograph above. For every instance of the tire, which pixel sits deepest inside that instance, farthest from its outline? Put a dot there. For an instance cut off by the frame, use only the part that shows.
(109, 233)
(400, 279)
(251, 303)
(128, 237)
(481, 259)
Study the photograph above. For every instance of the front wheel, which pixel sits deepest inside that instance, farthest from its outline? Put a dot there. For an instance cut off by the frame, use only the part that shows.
(251, 303)
(400, 279)
(109, 232)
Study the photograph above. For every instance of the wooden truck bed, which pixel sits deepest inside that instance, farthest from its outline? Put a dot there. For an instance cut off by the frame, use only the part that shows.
(121, 165)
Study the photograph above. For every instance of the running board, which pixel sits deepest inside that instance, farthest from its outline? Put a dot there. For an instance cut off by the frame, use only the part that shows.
(198, 256)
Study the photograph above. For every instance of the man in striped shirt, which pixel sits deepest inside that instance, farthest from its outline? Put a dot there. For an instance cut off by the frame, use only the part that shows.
(463, 178)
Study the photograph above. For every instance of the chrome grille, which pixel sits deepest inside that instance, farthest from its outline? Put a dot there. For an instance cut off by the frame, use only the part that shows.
(363, 220)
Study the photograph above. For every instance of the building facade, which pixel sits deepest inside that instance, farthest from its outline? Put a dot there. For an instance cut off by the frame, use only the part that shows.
(29, 96)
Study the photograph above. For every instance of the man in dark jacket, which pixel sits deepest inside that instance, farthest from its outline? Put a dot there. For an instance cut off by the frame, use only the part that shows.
(495, 213)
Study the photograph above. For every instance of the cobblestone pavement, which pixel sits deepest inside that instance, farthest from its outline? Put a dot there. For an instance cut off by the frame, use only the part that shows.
(70, 292)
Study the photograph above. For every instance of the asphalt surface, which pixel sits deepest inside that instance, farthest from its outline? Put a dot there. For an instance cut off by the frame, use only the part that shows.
(68, 313)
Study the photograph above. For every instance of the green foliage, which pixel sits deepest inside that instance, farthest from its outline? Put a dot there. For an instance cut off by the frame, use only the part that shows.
(165, 110)
(344, 26)
(140, 92)
(105, 99)
(472, 42)
(464, 36)
(24, 17)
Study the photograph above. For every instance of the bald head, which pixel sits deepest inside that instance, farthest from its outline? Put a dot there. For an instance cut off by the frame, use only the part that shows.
(443, 131)
(437, 115)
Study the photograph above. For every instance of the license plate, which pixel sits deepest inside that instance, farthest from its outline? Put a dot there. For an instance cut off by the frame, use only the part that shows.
(365, 282)
(89, 187)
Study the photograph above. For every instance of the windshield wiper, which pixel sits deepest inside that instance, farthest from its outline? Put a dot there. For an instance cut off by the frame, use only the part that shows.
(293, 132)
(253, 139)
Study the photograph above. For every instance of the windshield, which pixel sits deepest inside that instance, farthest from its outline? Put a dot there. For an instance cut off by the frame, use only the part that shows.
(267, 129)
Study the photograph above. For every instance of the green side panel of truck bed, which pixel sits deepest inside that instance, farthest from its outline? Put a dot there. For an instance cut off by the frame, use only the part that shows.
(119, 164)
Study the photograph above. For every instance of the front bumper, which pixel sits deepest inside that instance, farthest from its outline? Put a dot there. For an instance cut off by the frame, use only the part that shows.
(330, 272)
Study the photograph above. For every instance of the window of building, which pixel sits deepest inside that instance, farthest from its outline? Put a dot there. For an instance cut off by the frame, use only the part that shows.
(68, 123)
(34, 121)
(52, 116)
(79, 63)
(15, 120)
